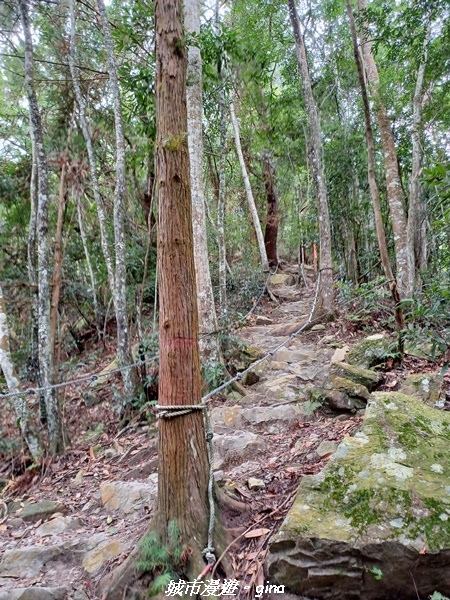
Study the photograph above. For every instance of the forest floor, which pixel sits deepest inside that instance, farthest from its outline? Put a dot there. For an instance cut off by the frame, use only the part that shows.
(67, 525)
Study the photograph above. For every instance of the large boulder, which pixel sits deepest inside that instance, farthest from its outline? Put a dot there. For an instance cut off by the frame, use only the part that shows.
(375, 523)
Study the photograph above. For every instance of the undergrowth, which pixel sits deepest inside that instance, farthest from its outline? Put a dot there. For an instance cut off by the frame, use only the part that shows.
(164, 562)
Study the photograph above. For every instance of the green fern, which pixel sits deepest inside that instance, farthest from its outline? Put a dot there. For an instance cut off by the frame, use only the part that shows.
(164, 562)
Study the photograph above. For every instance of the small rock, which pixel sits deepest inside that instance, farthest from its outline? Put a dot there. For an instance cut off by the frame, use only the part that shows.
(110, 453)
(318, 327)
(236, 447)
(426, 386)
(282, 279)
(128, 496)
(370, 379)
(57, 526)
(339, 354)
(219, 476)
(94, 560)
(260, 320)
(255, 484)
(33, 511)
(250, 378)
(326, 448)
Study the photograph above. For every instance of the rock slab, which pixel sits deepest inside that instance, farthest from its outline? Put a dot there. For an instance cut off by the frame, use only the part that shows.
(382, 504)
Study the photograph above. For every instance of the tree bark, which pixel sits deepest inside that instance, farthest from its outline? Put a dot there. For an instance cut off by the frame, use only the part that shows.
(54, 421)
(393, 182)
(272, 218)
(381, 235)
(326, 298)
(417, 229)
(248, 191)
(102, 220)
(22, 414)
(124, 355)
(183, 463)
(209, 346)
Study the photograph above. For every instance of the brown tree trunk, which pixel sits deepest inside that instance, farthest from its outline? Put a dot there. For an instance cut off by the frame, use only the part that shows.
(326, 297)
(183, 462)
(272, 219)
(381, 235)
(393, 181)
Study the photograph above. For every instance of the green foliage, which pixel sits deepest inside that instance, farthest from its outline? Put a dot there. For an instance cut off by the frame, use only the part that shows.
(366, 303)
(377, 573)
(438, 596)
(165, 562)
(213, 374)
(428, 319)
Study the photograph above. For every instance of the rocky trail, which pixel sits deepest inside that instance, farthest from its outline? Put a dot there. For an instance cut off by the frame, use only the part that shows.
(66, 529)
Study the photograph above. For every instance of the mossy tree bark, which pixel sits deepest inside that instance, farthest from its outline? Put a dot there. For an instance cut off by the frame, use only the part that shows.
(183, 462)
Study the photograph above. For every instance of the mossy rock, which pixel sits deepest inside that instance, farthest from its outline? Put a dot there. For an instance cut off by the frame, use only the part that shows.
(382, 502)
(342, 394)
(426, 386)
(247, 356)
(370, 379)
(372, 351)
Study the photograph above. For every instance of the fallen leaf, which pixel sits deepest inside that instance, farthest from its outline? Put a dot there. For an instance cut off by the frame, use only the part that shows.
(256, 532)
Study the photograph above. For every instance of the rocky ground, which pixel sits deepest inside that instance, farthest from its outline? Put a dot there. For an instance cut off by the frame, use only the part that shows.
(67, 527)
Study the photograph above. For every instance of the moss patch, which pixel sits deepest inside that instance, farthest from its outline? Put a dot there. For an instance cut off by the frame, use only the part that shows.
(391, 481)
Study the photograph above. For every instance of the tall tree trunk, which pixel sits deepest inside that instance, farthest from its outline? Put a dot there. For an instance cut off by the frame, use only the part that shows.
(417, 230)
(124, 356)
(57, 251)
(248, 191)
(381, 235)
(22, 414)
(393, 182)
(54, 421)
(326, 298)
(272, 218)
(183, 462)
(209, 346)
(101, 212)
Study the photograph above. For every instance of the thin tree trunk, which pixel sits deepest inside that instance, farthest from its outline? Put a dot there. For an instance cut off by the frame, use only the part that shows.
(83, 237)
(102, 220)
(183, 462)
(54, 421)
(57, 251)
(326, 298)
(222, 177)
(22, 414)
(393, 181)
(381, 235)
(33, 362)
(416, 230)
(272, 219)
(248, 191)
(209, 346)
(124, 356)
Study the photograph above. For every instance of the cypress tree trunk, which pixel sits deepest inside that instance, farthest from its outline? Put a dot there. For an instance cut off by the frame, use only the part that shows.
(183, 463)
(54, 421)
(326, 299)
